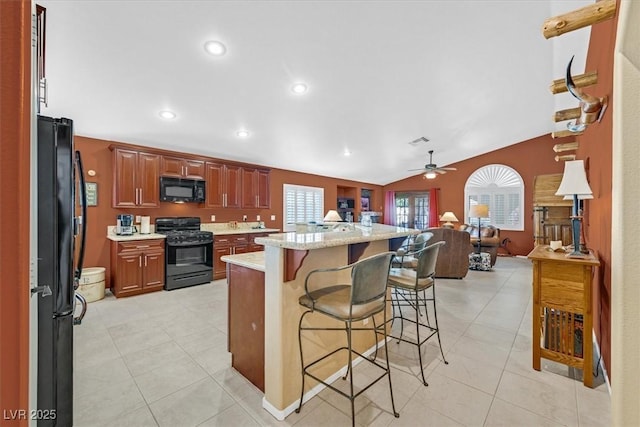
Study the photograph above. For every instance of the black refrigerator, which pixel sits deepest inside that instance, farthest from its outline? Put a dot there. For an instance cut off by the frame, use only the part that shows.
(61, 236)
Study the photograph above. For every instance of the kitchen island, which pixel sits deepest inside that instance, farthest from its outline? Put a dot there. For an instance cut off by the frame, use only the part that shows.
(288, 257)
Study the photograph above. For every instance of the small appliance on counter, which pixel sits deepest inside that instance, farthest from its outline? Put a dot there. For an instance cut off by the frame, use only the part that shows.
(145, 225)
(124, 225)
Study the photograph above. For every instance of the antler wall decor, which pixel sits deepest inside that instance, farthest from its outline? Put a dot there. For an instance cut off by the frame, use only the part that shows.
(591, 108)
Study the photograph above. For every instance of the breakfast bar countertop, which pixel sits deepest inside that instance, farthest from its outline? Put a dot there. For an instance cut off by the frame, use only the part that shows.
(327, 239)
(252, 260)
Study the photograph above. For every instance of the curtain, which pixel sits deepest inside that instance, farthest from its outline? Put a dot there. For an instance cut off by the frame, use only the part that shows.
(390, 208)
(434, 219)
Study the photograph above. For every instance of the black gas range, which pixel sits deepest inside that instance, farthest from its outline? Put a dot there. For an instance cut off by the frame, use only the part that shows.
(188, 252)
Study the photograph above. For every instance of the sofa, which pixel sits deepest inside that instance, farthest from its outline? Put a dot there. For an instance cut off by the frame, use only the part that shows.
(489, 239)
(453, 258)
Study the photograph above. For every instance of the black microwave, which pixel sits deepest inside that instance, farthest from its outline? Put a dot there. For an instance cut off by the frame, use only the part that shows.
(182, 190)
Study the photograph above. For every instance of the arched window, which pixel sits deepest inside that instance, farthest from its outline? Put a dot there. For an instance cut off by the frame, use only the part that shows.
(502, 189)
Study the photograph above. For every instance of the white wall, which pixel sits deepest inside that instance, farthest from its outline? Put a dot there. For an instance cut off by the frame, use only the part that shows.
(625, 275)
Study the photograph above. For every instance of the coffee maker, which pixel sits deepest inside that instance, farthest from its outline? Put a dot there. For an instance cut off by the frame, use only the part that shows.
(124, 225)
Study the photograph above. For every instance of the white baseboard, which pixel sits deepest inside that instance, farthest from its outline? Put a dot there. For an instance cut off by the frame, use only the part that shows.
(281, 414)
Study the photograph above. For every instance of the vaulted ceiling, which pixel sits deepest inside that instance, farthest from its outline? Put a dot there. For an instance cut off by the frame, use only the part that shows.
(470, 76)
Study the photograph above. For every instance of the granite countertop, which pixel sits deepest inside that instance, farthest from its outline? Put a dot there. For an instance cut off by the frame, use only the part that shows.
(252, 260)
(135, 236)
(327, 239)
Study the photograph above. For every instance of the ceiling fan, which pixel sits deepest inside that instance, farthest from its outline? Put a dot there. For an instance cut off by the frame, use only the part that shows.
(431, 168)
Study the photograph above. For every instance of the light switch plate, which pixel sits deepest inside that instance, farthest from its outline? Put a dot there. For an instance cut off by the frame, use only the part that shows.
(257, 217)
(273, 217)
(138, 219)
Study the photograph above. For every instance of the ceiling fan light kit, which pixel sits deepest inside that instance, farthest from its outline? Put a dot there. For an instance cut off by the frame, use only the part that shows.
(430, 175)
(431, 169)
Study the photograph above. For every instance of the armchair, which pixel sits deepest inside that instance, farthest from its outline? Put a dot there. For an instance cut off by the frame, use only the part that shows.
(453, 260)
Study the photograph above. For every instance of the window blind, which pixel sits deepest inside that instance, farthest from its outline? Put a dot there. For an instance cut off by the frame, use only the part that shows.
(301, 205)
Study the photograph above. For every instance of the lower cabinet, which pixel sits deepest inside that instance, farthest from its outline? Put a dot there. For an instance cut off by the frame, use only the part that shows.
(246, 322)
(137, 266)
(231, 244)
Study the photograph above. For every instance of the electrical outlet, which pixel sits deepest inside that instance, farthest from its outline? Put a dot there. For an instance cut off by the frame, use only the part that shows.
(138, 219)
(213, 218)
(257, 217)
(244, 217)
(273, 217)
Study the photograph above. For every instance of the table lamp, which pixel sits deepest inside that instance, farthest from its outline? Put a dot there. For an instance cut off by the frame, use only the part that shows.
(450, 218)
(574, 183)
(479, 211)
(332, 216)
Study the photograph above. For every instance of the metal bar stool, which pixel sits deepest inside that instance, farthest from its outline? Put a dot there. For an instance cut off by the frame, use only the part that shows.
(404, 254)
(409, 288)
(348, 303)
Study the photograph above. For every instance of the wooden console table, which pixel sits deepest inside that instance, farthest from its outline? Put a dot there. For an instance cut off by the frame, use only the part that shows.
(562, 314)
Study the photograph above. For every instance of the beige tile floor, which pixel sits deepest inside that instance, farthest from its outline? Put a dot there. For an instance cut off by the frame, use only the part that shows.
(160, 360)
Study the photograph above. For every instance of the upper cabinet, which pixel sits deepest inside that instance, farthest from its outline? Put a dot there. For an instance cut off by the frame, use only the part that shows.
(255, 188)
(137, 172)
(136, 177)
(223, 185)
(182, 168)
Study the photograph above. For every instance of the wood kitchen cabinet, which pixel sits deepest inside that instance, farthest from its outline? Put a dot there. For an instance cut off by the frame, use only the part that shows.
(255, 188)
(136, 179)
(231, 244)
(182, 168)
(223, 185)
(137, 266)
(562, 309)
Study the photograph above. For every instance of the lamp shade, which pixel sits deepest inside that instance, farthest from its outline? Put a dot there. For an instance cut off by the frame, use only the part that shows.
(332, 216)
(574, 180)
(448, 217)
(479, 211)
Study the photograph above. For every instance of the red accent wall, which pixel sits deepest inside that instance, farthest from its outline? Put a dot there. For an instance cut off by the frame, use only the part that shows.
(15, 83)
(97, 156)
(529, 158)
(596, 147)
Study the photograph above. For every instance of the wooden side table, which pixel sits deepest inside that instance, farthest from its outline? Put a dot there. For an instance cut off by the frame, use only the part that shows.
(562, 314)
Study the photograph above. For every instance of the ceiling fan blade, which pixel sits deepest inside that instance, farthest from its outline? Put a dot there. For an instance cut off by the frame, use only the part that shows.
(412, 170)
(448, 169)
(440, 171)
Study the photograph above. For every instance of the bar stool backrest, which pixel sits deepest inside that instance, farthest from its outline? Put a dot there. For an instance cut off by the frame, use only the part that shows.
(421, 240)
(427, 261)
(369, 278)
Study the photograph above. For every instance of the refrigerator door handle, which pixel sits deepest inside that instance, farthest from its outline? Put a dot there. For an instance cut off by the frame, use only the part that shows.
(83, 202)
(45, 290)
(83, 303)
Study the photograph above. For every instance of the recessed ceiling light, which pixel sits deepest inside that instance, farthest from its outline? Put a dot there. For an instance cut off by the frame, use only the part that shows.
(168, 115)
(299, 88)
(242, 133)
(347, 152)
(215, 48)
